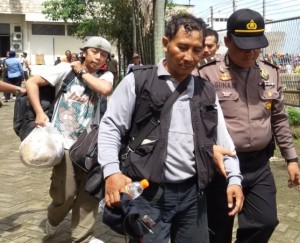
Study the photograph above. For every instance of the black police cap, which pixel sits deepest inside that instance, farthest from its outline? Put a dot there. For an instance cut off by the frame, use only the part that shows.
(246, 28)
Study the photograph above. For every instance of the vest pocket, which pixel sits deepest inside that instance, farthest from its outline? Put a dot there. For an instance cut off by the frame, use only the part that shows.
(137, 165)
(209, 116)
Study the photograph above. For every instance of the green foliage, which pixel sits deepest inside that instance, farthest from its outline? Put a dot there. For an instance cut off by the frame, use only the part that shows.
(113, 19)
(97, 17)
(294, 116)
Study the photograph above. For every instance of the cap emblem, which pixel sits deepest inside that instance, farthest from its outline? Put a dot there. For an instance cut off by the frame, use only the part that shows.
(251, 25)
(251, 28)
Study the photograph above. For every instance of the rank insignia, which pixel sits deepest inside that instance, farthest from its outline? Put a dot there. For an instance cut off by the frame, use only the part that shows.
(268, 105)
(222, 69)
(267, 94)
(264, 74)
(225, 76)
(226, 94)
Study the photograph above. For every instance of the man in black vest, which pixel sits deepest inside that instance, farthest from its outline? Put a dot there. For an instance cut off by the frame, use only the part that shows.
(177, 157)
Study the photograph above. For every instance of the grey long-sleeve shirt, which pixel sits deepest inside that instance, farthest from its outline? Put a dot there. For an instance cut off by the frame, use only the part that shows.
(180, 160)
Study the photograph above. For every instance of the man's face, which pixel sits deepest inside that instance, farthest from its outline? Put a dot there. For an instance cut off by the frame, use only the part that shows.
(74, 57)
(210, 46)
(240, 57)
(183, 53)
(68, 53)
(95, 58)
(136, 60)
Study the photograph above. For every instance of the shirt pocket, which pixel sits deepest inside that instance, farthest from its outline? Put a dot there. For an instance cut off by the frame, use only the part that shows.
(229, 101)
(268, 94)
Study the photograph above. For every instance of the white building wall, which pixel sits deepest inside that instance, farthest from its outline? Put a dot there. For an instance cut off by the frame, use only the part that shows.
(24, 13)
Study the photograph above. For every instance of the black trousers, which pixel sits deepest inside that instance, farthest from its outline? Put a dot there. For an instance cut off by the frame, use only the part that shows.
(258, 218)
(14, 81)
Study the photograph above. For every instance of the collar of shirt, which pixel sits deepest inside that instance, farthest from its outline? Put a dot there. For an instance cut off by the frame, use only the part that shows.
(172, 83)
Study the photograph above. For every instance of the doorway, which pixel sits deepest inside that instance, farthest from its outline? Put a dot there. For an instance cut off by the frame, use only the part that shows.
(4, 45)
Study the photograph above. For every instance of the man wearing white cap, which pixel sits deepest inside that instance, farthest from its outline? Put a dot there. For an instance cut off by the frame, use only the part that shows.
(74, 110)
(250, 93)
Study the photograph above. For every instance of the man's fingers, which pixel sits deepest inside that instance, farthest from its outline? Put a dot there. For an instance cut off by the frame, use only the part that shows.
(223, 151)
(228, 152)
(235, 199)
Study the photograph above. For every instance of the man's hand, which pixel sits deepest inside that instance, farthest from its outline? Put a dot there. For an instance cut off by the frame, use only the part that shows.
(77, 66)
(114, 184)
(219, 153)
(294, 173)
(235, 199)
(22, 91)
(41, 119)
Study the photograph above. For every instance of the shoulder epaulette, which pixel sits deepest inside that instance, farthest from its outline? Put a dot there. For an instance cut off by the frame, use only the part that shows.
(206, 61)
(269, 61)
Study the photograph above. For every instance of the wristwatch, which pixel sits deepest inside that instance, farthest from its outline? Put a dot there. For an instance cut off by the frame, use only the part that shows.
(81, 72)
(18, 91)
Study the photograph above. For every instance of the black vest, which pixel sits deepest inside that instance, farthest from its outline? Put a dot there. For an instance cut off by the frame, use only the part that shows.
(151, 94)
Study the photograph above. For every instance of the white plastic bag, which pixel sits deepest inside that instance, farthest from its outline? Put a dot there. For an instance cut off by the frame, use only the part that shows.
(42, 148)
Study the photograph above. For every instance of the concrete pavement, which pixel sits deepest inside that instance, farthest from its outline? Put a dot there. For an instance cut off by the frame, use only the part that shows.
(24, 198)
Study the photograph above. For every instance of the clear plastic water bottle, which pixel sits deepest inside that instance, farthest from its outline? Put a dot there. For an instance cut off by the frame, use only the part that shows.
(136, 188)
(133, 189)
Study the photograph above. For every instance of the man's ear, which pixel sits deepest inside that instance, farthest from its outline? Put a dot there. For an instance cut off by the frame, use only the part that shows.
(165, 42)
(226, 41)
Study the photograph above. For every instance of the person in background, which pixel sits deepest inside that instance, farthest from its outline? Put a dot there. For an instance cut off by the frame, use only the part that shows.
(25, 65)
(74, 57)
(57, 61)
(171, 157)
(5, 77)
(251, 96)
(211, 44)
(74, 110)
(136, 61)
(113, 67)
(68, 56)
(15, 72)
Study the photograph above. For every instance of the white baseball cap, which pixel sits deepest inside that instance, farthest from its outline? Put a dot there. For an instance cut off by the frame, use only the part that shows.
(98, 42)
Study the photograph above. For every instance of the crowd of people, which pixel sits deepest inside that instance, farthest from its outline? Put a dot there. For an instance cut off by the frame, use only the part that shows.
(288, 63)
(212, 124)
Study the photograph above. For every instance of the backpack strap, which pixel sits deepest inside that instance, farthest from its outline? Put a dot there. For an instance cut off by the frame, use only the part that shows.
(63, 89)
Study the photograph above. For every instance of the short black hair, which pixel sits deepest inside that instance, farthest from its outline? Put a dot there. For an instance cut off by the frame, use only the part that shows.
(188, 21)
(211, 32)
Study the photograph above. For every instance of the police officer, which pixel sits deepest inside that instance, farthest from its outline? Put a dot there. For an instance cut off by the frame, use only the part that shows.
(211, 46)
(211, 43)
(250, 93)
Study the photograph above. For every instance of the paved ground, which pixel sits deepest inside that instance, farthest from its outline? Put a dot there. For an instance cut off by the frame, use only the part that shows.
(24, 198)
